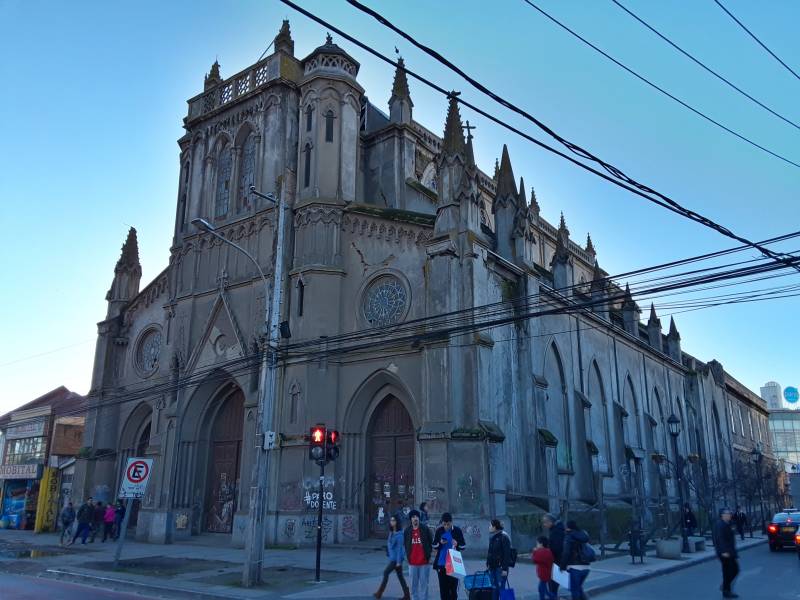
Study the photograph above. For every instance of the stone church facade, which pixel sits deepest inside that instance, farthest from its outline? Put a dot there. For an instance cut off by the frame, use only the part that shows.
(391, 223)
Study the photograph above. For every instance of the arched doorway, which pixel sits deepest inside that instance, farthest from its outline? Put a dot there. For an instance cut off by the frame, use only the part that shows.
(390, 456)
(224, 464)
(141, 446)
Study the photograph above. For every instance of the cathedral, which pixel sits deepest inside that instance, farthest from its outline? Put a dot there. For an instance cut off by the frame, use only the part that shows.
(391, 224)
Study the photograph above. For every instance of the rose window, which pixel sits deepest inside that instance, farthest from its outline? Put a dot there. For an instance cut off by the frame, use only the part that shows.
(385, 301)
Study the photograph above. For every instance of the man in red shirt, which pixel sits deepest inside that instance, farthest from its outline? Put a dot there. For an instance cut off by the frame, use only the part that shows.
(419, 545)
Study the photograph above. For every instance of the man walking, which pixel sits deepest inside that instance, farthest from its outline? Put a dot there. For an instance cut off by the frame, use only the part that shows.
(572, 559)
(725, 547)
(418, 545)
(740, 520)
(555, 534)
(447, 537)
(85, 516)
(67, 519)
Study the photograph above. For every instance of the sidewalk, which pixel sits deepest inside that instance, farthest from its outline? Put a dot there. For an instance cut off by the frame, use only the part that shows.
(202, 570)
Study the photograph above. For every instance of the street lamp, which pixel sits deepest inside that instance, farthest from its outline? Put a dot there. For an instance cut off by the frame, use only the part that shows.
(674, 426)
(255, 539)
(758, 457)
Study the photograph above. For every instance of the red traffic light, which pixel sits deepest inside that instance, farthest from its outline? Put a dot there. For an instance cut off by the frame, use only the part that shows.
(333, 437)
(317, 435)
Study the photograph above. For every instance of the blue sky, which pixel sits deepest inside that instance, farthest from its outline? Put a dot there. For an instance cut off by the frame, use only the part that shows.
(94, 95)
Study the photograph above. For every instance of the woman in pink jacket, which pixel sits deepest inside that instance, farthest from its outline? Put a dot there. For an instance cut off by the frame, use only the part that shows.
(108, 521)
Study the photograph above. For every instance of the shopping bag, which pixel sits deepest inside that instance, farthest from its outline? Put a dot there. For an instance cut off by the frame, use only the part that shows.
(454, 564)
(479, 581)
(561, 577)
(507, 593)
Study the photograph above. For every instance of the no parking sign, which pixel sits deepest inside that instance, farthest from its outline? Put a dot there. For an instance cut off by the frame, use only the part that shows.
(135, 478)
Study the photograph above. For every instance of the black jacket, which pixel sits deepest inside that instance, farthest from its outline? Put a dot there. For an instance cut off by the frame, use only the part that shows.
(425, 536)
(85, 514)
(740, 520)
(689, 519)
(724, 539)
(557, 540)
(571, 555)
(458, 538)
(499, 554)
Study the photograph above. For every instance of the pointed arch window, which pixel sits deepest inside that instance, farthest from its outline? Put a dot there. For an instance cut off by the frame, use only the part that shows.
(307, 166)
(223, 191)
(309, 117)
(247, 171)
(301, 296)
(329, 126)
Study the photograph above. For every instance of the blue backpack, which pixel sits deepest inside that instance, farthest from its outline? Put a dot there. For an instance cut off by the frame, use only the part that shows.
(587, 554)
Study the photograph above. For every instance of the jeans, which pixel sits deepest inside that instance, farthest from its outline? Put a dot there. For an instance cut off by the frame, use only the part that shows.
(419, 581)
(730, 569)
(498, 581)
(66, 531)
(108, 530)
(448, 586)
(398, 569)
(576, 579)
(82, 532)
(545, 592)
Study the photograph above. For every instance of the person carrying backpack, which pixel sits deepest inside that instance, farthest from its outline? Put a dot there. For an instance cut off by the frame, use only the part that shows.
(575, 558)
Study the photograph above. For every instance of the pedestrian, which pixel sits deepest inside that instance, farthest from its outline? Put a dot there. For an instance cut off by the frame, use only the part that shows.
(572, 560)
(555, 531)
(84, 517)
(97, 520)
(418, 546)
(67, 519)
(400, 513)
(395, 550)
(689, 520)
(119, 516)
(108, 522)
(740, 520)
(725, 547)
(423, 514)
(498, 558)
(447, 537)
(543, 558)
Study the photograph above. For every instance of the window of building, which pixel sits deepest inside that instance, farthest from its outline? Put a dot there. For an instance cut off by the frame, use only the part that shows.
(247, 171)
(750, 423)
(307, 166)
(329, 126)
(309, 117)
(741, 421)
(223, 194)
(733, 418)
(25, 451)
(301, 293)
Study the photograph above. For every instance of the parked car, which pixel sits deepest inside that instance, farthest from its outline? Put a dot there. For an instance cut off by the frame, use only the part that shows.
(782, 530)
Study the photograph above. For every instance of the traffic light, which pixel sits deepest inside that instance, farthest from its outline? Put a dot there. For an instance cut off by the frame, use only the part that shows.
(316, 451)
(332, 446)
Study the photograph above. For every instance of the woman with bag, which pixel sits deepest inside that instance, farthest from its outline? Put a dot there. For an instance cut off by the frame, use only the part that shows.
(575, 559)
(447, 537)
(498, 559)
(395, 550)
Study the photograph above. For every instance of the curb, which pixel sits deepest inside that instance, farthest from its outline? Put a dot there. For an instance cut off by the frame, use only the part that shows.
(607, 587)
(135, 586)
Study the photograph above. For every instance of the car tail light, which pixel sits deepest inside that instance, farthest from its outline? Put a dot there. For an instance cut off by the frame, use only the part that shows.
(797, 539)
(772, 529)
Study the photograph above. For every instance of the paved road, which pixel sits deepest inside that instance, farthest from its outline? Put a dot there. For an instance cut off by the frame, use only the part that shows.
(764, 575)
(22, 587)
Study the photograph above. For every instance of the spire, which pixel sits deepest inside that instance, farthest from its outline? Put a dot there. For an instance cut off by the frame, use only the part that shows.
(562, 225)
(213, 78)
(653, 320)
(283, 41)
(627, 298)
(589, 245)
(521, 201)
(534, 203)
(129, 259)
(470, 151)
(453, 132)
(400, 85)
(673, 330)
(505, 177)
(496, 169)
(597, 275)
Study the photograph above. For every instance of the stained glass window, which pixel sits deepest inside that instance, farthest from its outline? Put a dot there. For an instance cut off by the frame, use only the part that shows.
(307, 166)
(223, 182)
(247, 171)
(309, 116)
(329, 126)
(149, 352)
(385, 301)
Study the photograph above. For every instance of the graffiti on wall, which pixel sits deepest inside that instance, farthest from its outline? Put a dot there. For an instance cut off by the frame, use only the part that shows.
(290, 528)
(309, 525)
(469, 494)
(349, 528)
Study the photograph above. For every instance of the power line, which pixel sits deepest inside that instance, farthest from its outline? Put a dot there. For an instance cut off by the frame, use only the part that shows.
(661, 199)
(704, 66)
(644, 79)
(758, 41)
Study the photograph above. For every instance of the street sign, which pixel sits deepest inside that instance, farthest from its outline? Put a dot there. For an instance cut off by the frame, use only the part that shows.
(135, 478)
(791, 394)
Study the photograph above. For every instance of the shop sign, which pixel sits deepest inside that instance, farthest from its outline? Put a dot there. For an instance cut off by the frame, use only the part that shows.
(20, 471)
(25, 430)
(47, 506)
